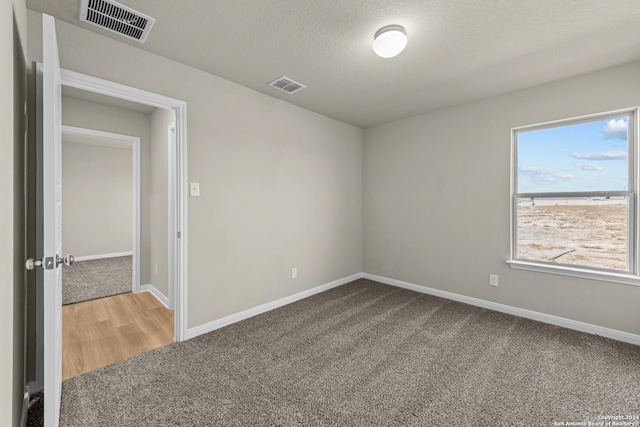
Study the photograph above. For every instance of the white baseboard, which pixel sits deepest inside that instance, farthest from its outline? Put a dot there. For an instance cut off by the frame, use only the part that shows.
(521, 312)
(233, 318)
(156, 293)
(102, 256)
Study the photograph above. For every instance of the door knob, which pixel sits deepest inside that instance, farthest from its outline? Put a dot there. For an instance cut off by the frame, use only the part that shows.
(46, 263)
(68, 260)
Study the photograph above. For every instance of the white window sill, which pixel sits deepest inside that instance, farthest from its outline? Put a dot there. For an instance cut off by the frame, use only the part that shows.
(607, 276)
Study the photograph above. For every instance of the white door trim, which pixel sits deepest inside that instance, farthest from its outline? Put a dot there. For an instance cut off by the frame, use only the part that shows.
(172, 192)
(135, 145)
(105, 87)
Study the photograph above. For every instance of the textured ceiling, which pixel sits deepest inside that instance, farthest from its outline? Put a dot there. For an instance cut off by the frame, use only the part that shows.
(458, 50)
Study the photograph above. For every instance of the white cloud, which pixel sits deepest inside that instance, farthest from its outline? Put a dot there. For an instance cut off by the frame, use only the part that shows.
(544, 176)
(604, 155)
(616, 129)
(589, 166)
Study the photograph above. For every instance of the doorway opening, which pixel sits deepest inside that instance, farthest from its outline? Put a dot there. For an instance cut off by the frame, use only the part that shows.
(101, 211)
(157, 281)
(119, 219)
(177, 170)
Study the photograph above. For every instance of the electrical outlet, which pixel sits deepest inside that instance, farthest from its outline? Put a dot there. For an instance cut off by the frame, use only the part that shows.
(294, 273)
(493, 279)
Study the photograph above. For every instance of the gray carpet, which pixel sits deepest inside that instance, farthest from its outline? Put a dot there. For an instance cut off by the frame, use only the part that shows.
(366, 354)
(87, 280)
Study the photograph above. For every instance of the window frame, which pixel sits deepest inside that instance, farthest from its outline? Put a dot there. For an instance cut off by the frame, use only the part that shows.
(629, 276)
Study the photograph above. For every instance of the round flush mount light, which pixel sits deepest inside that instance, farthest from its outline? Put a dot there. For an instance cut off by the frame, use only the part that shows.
(389, 41)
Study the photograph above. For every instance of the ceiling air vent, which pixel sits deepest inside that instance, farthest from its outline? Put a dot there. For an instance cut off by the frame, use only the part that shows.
(113, 16)
(286, 85)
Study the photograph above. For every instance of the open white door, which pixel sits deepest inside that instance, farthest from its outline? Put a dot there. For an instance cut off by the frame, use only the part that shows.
(51, 221)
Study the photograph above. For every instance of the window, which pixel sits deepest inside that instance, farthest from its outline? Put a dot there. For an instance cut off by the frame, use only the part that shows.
(574, 197)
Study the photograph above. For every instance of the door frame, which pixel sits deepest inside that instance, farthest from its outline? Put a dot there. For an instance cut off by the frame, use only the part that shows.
(135, 145)
(172, 192)
(117, 90)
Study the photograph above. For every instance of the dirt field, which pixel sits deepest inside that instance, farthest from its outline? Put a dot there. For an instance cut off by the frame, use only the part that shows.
(597, 234)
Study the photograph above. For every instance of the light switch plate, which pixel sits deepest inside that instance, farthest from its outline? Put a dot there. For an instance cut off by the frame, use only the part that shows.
(194, 189)
(493, 279)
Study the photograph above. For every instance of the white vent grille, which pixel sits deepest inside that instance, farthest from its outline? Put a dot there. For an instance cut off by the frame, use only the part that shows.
(118, 18)
(286, 85)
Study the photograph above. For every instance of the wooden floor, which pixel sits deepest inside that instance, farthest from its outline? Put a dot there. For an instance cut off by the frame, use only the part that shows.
(104, 331)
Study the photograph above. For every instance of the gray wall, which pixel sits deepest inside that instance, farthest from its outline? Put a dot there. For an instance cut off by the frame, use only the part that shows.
(281, 187)
(97, 198)
(13, 71)
(90, 115)
(158, 199)
(436, 200)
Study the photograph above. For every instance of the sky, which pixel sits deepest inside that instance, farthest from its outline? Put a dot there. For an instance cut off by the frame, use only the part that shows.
(589, 156)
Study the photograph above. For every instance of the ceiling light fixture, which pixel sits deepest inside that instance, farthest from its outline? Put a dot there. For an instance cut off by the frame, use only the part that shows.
(389, 41)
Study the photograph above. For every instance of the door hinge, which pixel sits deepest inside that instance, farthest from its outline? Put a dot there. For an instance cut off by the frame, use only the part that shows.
(179, 234)
(46, 263)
